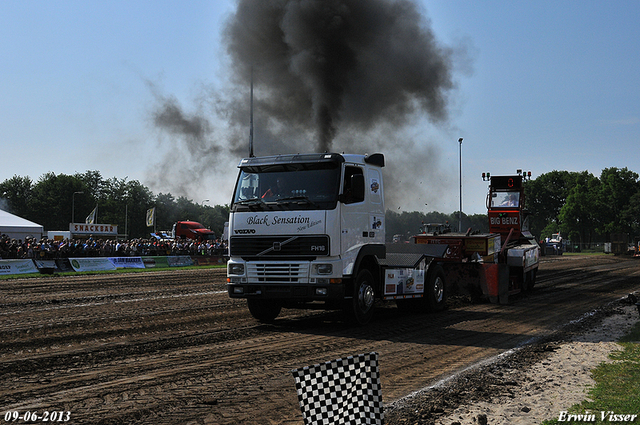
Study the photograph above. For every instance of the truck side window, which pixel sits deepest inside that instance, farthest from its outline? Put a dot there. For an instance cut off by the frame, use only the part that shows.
(347, 192)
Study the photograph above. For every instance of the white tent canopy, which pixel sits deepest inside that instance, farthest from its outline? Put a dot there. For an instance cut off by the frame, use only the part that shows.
(18, 228)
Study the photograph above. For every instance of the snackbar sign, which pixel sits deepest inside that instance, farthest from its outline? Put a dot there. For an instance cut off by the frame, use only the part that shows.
(93, 229)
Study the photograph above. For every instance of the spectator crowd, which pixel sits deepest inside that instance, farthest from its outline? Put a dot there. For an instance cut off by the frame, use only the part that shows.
(48, 249)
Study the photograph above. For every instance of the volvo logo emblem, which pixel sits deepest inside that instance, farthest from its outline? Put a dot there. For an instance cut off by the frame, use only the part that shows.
(277, 246)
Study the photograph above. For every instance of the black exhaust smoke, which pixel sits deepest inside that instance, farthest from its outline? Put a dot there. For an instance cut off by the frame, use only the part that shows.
(339, 63)
(341, 75)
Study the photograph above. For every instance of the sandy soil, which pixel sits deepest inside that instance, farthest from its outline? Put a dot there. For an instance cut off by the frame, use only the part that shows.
(554, 384)
(538, 392)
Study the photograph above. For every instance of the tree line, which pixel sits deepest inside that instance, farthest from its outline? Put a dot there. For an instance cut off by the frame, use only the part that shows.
(585, 208)
(579, 205)
(56, 200)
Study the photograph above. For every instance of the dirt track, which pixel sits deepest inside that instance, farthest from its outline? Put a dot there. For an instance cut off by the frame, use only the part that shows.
(172, 348)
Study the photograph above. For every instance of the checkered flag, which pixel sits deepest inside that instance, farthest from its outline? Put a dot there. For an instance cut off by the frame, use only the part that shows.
(342, 391)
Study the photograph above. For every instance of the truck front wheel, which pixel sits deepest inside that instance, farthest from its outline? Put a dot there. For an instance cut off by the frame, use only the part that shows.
(264, 311)
(361, 306)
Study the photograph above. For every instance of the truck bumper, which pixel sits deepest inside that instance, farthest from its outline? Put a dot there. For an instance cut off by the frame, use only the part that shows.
(295, 293)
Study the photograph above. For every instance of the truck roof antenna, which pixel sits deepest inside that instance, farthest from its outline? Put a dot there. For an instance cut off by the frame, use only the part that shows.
(251, 120)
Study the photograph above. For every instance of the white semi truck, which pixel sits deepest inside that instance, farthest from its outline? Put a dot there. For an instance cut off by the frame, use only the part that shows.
(308, 231)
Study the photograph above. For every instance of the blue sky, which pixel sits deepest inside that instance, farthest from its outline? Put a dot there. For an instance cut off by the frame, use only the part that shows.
(541, 86)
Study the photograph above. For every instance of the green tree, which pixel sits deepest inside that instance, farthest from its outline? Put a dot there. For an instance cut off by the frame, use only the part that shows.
(166, 211)
(137, 198)
(478, 222)
(54, 201)
(579, 215)
(17, 193)
(545, 197)
(216, 217)
(94, 184)
(187, 210)
(631, 214)
(617, 187)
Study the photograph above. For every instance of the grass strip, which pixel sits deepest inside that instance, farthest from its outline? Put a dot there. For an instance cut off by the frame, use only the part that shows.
(615, 397)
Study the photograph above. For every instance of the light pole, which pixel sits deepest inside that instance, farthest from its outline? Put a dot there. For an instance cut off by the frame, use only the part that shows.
(460, 211)
(73, 206)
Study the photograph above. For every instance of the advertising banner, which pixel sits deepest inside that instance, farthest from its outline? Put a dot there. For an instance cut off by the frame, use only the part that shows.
(207, 261)
(180, 261)
(46, 266)
(127, 262)
(155, 261)
(91, 264)
(17, 267)
(171, 261)
(63, 265)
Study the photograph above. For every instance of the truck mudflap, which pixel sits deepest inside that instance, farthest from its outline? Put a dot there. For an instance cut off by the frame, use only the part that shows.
(495, 283)
(491, 281)
(477, 280)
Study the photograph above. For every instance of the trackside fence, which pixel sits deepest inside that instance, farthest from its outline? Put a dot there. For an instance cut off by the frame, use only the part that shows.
(89, 264)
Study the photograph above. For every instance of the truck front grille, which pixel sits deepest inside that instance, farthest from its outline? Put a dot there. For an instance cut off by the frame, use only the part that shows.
(277, 272)
(307, 247)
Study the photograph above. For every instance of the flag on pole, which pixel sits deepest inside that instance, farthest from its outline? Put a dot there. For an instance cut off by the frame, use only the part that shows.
(341, 391)
(91, 218)
(151, 217)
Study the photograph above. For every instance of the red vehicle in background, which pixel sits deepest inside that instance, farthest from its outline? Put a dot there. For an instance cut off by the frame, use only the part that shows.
(192, 230)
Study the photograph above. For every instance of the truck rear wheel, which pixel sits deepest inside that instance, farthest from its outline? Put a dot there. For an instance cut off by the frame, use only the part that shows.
(435, 292)
(361, 306)
(264, 311)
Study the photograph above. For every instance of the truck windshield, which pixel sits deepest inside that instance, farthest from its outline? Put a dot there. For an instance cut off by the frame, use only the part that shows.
(505, 199)
(287, 187)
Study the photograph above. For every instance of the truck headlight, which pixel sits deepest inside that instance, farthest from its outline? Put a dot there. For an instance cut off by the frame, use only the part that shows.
(236, 268)
(324, 268)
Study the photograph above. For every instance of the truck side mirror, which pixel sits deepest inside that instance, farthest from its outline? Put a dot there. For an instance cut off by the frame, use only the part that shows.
(357, 185)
